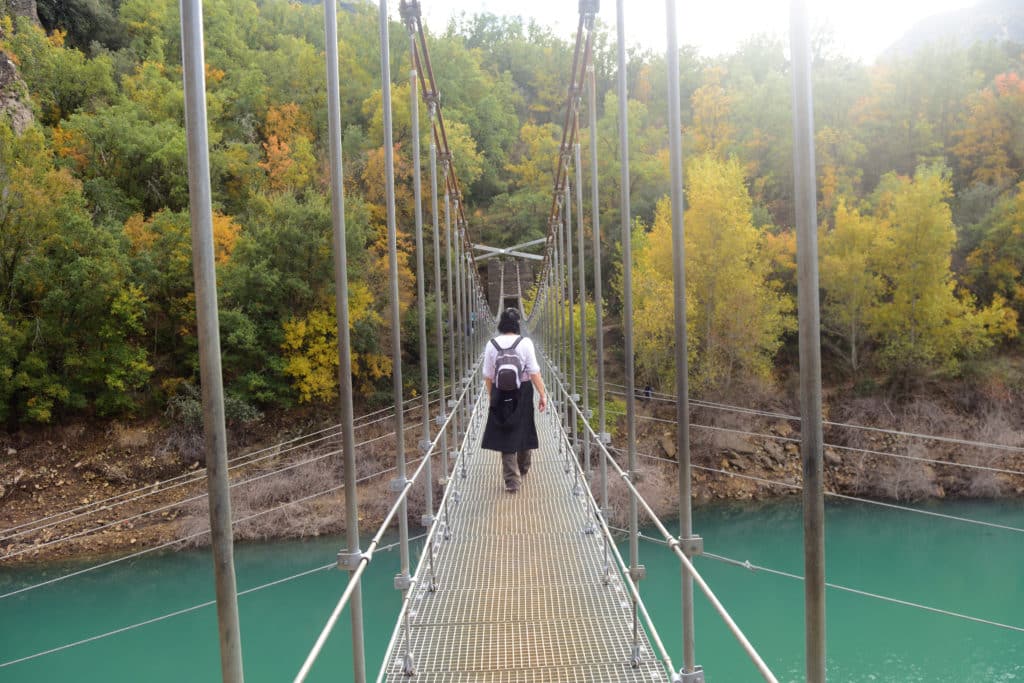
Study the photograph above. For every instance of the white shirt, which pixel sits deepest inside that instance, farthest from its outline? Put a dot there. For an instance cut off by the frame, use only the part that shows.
(527, 354)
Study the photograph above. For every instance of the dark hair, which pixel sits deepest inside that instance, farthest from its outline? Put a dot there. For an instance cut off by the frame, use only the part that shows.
(509, 321)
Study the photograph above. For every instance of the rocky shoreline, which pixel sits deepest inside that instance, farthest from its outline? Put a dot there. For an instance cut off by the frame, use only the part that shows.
(78, 493)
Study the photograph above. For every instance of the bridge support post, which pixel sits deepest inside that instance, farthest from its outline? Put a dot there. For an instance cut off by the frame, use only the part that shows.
(344, 341)
(410, 14)
(570, 285)
(214, 430)
(810, 343)
(627, 278)
(583, 306)
(696, 675)
(403, 580)
(690, 669)
(595, 217)
(449, 249)
(438, 301)
(461, 326)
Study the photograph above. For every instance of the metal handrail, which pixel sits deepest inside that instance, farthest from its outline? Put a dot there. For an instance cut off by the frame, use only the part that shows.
(367, 556)
(634, 590)
(674, 544)
(429, 539)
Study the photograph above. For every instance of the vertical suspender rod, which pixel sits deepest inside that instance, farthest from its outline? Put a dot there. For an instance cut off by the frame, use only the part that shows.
(214, 429)
(681, 359)
(352, 552)
(810, 344)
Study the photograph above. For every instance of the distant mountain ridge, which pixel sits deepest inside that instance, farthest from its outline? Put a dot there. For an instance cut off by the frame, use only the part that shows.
(999, 20)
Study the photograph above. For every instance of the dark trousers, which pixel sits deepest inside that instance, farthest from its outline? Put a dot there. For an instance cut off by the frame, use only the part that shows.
(513, 466)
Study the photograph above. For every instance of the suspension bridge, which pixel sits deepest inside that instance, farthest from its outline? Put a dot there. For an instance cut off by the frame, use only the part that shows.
(528, 587)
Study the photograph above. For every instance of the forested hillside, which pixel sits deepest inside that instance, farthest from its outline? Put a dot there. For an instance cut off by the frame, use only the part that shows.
(921, 201)
(985, 20)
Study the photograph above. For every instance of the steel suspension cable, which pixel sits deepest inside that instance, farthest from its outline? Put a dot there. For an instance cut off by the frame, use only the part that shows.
(851, 449)
(748, 565)
(584, 347)
(627, 289)
(184, 501)
(831, 494)
(570, 286)
(835, 586)
(189, 537)
(438, 301)
(394, 303)
(163, 617)
(208, 332)
(595, 216)
(243, 460)
(675, 128)
(671, 398)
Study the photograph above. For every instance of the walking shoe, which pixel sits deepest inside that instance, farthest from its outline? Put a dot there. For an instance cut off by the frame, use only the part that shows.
(511, 489)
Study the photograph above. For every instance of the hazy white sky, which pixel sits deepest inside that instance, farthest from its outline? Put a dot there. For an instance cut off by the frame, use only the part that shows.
(862, 28)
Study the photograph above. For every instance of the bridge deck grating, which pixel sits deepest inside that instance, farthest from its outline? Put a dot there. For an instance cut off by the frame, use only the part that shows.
(522, 594)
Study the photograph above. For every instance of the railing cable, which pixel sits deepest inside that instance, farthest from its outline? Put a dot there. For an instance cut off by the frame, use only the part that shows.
(163, 617)
(676, 545)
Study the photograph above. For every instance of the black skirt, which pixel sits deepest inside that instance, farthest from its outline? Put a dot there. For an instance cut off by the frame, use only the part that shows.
(510, 426)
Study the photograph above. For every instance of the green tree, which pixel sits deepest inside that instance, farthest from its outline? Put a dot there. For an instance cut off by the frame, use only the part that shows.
(837, 153)
(485, 105)
(142, 163)
(70, 313)
(990, 146)
(653, 287)
(851, 285)
(280, 270)
(736, 317)
(160, 252)
(712, 129)
(996, 267)
(923, 324)
(61, 80)
(85, 21)
(533, 166)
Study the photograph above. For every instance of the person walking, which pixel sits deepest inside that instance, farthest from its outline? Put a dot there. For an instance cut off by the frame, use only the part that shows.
(511, 374)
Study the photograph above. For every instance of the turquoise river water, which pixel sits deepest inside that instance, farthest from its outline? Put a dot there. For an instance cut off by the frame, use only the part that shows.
(945, 564)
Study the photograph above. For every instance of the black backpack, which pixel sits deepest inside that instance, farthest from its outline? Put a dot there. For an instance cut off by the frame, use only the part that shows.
(507, 367)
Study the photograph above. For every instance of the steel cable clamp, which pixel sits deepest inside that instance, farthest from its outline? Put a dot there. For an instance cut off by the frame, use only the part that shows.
(350, 561)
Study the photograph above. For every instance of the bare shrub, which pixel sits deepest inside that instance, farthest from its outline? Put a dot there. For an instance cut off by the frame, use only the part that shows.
(994, 425)
(908, 480)
(193, 522)
(924, 416)
(986, 484)
(658, 486)
(185, 444)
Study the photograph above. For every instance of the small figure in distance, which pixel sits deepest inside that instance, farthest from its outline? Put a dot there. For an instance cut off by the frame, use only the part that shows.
(511, 375)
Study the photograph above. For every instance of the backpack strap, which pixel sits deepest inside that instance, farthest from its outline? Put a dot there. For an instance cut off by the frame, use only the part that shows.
(515, 343)
(497, 346)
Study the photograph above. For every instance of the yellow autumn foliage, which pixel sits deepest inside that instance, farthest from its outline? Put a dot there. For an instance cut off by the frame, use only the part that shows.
(736, 315)
(311, 349)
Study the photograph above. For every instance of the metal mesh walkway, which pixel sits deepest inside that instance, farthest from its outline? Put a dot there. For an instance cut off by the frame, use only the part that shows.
(521, 589)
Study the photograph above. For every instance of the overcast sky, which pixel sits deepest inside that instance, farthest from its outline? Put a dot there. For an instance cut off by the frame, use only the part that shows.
(862, 28)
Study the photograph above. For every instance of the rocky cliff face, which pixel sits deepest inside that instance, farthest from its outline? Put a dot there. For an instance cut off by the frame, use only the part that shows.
(22, 8)
(13, 96)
